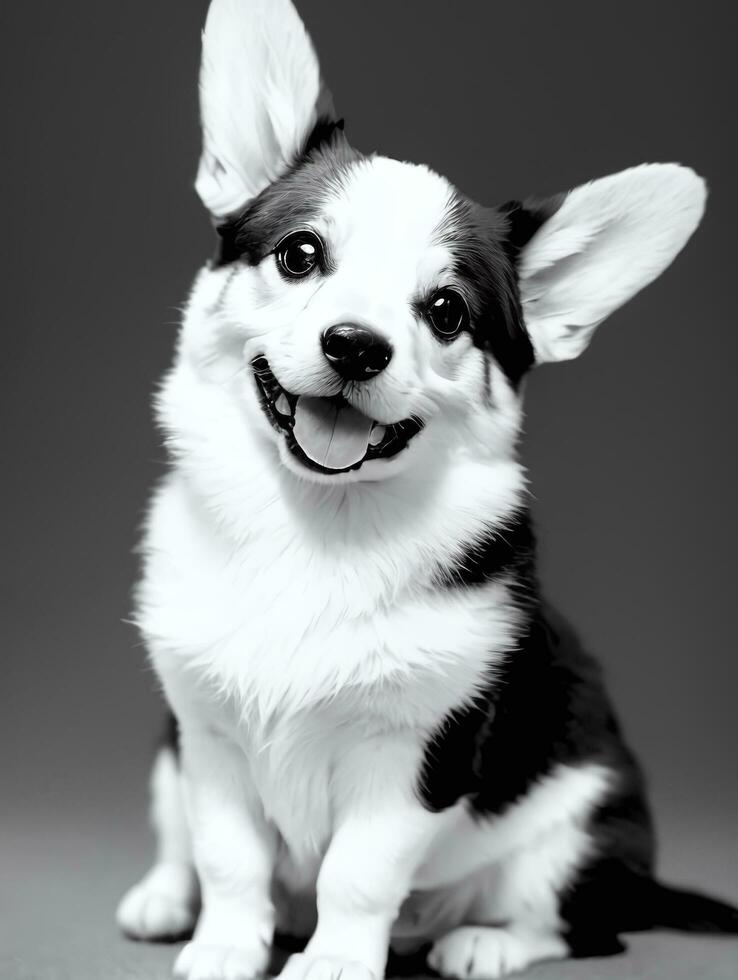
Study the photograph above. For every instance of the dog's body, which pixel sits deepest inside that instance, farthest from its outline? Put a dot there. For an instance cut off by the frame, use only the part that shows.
(382, 731)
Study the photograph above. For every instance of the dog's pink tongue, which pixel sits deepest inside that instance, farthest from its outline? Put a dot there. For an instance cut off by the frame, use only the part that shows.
(335, 437)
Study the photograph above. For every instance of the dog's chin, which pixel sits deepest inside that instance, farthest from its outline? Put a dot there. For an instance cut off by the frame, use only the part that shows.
(326, 439)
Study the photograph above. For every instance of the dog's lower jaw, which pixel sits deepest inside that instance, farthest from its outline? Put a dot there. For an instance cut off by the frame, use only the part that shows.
(312, 430)
(371, 471)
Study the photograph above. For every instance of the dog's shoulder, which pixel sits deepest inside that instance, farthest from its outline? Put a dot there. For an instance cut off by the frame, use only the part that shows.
(544, 706)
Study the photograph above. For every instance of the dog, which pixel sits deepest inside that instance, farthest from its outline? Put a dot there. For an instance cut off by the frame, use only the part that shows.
(381, 736)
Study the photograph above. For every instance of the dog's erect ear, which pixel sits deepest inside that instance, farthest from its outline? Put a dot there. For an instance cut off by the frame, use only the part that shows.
(259, 92)
(602, 243)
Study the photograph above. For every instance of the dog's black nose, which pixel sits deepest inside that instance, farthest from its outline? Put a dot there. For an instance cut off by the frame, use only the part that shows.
(355, 352)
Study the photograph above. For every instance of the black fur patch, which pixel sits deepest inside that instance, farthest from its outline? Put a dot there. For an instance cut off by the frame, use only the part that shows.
(295, 199)
(524, 218)
(486, 243)
(508, 550)
(170, 733)
(617, 888)
(545, 705)
(484, 260)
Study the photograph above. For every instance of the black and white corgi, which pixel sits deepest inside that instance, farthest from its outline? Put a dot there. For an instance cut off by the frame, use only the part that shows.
(384, 738)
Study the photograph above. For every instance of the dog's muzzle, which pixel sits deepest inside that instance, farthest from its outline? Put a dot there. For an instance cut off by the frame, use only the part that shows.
(328, 435)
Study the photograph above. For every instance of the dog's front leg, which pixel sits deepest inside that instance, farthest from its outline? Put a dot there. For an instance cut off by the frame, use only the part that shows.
(381, 835)
(234, 856)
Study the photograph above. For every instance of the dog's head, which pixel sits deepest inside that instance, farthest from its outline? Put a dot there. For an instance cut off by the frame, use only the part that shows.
(365, 313)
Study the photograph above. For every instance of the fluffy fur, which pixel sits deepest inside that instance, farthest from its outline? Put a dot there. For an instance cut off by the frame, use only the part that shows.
(382, 735)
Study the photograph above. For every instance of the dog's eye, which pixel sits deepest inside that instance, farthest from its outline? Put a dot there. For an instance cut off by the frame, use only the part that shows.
(448, 313)
(298, 254)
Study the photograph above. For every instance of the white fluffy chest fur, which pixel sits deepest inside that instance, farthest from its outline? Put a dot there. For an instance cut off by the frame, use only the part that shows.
(303, 638)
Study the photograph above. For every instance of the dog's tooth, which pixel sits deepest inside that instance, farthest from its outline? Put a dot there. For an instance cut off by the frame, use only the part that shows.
(377, 435)
(282, 405)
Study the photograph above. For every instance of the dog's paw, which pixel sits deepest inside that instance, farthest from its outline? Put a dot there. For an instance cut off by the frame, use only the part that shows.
(486, 952)
(302, 966)
(163, 905)
(201, 961)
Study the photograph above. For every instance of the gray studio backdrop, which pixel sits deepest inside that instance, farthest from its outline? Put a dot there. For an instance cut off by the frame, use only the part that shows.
(631, 449)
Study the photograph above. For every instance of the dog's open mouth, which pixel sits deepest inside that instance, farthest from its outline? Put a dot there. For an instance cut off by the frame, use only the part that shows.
(327, 434)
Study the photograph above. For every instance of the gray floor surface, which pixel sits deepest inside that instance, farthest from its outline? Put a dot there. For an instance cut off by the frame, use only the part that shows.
(62, 876)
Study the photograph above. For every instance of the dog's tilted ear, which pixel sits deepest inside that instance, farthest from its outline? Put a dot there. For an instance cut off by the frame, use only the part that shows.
(259, 92)
(596, 247)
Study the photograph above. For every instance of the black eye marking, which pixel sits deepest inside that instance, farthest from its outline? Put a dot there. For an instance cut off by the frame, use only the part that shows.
(298, 253)
(448, 313)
